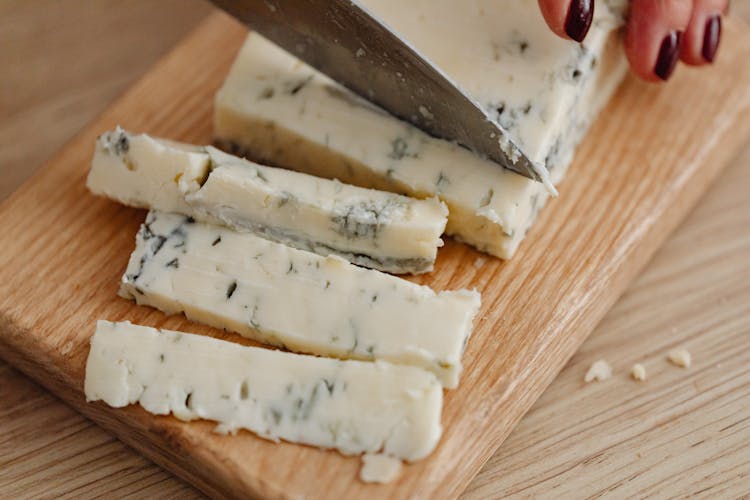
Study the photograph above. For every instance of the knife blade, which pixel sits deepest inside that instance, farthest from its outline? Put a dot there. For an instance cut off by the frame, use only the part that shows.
(341, 39)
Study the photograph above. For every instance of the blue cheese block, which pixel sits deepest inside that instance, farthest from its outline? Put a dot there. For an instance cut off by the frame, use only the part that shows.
(376, 229)
(351, 406)
(296, 299)
(544, 90)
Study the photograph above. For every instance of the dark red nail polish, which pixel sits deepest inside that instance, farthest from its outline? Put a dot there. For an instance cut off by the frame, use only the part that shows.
(578, 21)
(669, 52)
(711, 38)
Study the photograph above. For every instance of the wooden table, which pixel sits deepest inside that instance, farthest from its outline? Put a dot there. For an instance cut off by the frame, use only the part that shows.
(681, 431)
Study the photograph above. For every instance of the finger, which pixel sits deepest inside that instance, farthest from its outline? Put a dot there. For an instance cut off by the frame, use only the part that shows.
(701, 40)
(568, 18)
(654, 35)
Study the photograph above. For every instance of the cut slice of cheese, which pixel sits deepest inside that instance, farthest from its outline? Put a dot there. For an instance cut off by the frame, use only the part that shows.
(296, 299)
(143, 172)
(352, 406)
(544, 90)
(371, 228)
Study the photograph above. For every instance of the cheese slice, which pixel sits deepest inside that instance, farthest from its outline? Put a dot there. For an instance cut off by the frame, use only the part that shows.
(142, 172)
(352, 406)
(544, 90)
(371, 228)
(296, 299)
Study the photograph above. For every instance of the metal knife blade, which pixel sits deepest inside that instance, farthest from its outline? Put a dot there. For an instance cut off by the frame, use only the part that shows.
(343, 40)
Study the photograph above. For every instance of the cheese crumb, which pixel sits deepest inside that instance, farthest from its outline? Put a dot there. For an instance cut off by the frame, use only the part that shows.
(680, 357)
(599, 371)
(379, 468)
(638, 372)
(479, 262)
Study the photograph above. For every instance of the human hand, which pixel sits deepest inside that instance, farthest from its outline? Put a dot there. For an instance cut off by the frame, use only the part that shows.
(658, 32)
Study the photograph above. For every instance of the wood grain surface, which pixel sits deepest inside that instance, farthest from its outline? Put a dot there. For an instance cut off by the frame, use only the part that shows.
(489, 486)
(64, 61)
(681, 431)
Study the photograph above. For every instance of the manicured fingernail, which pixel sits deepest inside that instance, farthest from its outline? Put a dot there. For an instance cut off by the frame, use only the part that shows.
(711, 38)
(578, 21)
(669, 52)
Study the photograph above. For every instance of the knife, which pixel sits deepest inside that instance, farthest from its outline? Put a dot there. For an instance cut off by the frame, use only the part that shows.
(343, 40)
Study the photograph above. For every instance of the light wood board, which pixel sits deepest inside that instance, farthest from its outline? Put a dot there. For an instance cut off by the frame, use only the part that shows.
(66, 249)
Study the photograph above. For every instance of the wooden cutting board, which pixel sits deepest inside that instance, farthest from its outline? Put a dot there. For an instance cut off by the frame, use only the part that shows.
(642, 167)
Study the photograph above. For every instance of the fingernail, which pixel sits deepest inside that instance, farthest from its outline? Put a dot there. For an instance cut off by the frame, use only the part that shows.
(669, 52)
(578, 21)
(711, 38)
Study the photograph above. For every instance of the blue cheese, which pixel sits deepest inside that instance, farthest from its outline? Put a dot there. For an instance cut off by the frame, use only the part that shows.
(371, 228)
(296, 299)
(376, 229)
(544, 90)
(142, 172)
(351, 406)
